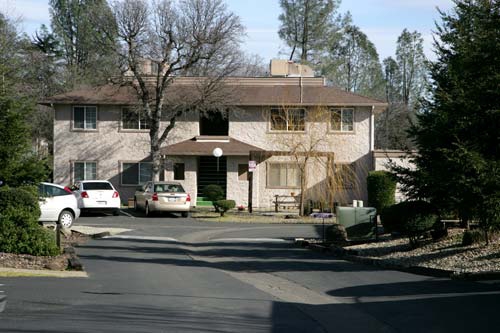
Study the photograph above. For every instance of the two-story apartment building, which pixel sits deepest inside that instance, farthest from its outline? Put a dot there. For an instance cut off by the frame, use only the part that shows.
(97, 136)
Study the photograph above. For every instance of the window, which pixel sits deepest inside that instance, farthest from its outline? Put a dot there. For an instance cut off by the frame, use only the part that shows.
(134, 119)
(283, 175)
(84, 171)
(242, 172)
(137, 173)
(45, 191)
(342, 120)
(85, 117)
(344, 175)
(178, 171)
(287, 119)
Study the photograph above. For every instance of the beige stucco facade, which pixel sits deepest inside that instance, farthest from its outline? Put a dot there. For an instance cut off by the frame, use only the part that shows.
(383, 159)
(109, 146)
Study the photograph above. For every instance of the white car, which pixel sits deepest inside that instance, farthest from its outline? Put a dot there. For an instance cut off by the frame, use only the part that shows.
(97, 195)
(57, 204)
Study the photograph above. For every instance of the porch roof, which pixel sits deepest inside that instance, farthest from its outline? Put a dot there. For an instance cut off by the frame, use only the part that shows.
(204, 146)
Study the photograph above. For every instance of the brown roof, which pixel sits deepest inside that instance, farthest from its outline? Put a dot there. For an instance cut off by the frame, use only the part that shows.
(204, 146)
(247, 93)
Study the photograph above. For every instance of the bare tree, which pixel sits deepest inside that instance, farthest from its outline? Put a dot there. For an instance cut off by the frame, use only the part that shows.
(177, 38)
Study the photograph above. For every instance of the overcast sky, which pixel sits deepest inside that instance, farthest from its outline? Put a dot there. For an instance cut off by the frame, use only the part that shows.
(381, 20)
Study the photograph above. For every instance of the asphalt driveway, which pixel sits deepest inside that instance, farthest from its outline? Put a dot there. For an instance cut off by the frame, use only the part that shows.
(172, 274)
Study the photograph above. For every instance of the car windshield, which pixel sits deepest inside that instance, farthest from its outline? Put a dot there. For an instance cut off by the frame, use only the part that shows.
(175, 188)
(97, 186)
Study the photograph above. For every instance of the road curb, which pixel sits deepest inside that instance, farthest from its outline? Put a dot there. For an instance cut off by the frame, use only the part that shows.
(342, 253)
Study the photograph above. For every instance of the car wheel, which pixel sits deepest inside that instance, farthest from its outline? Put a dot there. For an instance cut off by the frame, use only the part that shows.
(146, 210)
(66, 219)
(185, 214)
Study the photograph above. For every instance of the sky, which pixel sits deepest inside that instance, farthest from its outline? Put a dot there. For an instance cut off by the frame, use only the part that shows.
(381, 20)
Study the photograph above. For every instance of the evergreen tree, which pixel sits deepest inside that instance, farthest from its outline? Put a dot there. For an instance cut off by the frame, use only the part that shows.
(352, 62)
(18, 164)
(406, 79)
(77, 36)
(458, 165)
(306, 26)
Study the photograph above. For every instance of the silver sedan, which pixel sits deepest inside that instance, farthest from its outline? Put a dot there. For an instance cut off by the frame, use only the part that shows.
(162, 197)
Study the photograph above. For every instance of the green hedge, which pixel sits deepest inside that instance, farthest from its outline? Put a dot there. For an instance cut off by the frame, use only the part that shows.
(410, 218)
(19, 228)
(224, 205)
(381, 189)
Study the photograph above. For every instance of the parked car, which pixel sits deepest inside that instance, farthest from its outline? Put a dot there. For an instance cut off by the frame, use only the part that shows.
(58, 204)
(97, 195)
(162, 197)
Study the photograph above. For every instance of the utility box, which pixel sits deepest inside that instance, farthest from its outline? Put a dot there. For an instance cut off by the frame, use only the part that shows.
(350, 216)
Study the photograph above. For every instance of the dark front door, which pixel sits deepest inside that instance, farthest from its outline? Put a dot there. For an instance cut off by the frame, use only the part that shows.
(209, 174)
(214, 123)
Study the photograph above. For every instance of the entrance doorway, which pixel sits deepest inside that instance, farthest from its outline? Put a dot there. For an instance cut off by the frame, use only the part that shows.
(208, 173)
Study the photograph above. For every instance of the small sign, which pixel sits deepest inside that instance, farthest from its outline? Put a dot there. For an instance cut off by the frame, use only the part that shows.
(252, 165)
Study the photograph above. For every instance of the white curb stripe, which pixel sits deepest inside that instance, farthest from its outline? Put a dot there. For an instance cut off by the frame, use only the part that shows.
(250, 240)
(168, 239)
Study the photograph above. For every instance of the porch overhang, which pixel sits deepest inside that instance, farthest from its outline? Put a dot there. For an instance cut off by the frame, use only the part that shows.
(204, 146)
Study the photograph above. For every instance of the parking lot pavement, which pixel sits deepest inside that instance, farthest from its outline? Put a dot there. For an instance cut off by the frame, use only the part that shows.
(3, 299)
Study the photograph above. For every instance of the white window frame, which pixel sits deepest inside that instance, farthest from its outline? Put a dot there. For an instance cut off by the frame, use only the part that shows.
(287, 121)
(140, 122)
(286, 186)
(85, 123)
(342, 129)
(85, 166)
(139, 182)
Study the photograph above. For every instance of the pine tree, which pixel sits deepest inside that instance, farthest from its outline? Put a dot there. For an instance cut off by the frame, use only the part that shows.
(458, 165)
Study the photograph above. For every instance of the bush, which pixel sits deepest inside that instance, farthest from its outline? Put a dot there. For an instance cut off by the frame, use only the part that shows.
(473, 237)
(411, 218)
(223, 206)
(19, 228)
(213, 193)
(19, 201)
(381, 189)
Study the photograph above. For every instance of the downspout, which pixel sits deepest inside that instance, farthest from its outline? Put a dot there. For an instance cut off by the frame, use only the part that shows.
(301, 86)
(54, 143)
(372, 135)
(372, 129)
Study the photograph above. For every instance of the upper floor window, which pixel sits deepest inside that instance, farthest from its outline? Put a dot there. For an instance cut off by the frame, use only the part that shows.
(134, 119)
(342, 119)
(85, 117)
(292, 120)
(84, 171)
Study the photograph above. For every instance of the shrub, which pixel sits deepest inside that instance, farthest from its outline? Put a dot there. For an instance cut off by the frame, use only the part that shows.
(213, 193)
(411, 218)
(19, 228)
(381, 189)
(473, 237)
(19, 201)
(224, 205)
